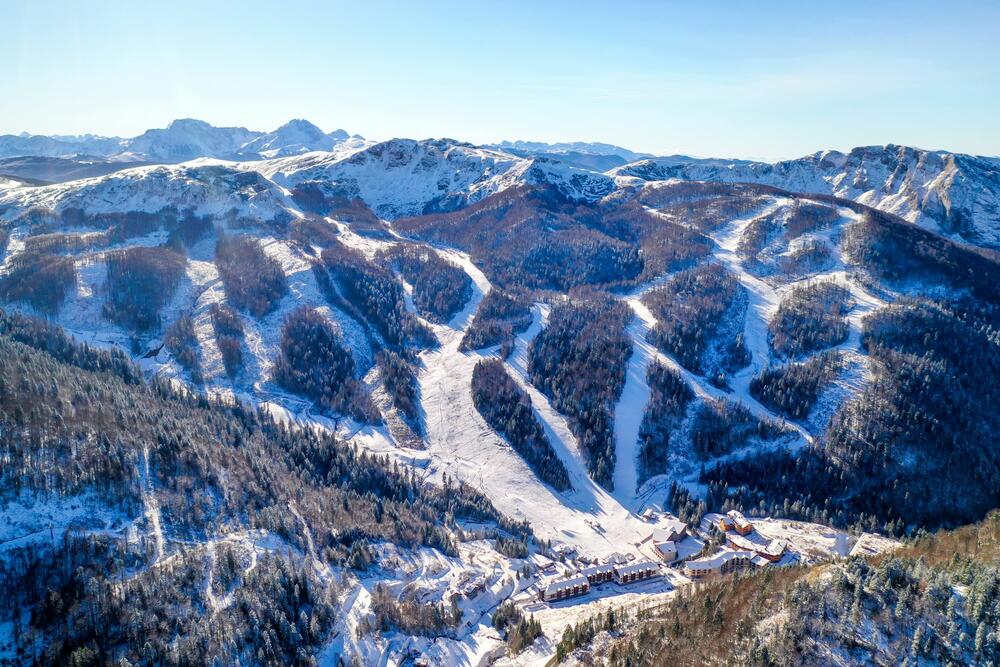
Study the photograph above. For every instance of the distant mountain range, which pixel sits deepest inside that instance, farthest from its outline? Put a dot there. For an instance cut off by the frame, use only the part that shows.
(956, 194)
(183, 139)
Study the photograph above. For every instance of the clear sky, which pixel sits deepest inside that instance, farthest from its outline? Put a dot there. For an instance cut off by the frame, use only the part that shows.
(744, 79)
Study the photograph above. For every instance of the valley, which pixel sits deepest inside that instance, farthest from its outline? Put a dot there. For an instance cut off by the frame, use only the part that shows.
(252, 373)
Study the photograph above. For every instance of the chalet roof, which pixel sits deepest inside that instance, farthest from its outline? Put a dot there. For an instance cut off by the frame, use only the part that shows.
(597, 569)
(737, 518)
(565, 584)
(718, 560)
(772, 547)
(665, 547)
(633, 568)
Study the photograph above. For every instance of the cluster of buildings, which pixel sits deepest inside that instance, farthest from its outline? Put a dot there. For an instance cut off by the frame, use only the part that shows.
(665, 538)
(745, 552)
(621, 573)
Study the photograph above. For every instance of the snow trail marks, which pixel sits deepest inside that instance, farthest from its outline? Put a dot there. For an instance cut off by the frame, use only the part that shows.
(462, 445)
(151, 504)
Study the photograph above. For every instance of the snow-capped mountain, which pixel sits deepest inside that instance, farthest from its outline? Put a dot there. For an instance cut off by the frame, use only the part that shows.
(187, 138)
(183, 139)
(582, 147)
(58, 146)
(294, 137)
(203, 188)
(954, 193)
(404, 177)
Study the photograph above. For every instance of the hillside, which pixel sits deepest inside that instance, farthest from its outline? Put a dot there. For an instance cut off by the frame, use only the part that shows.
(953, 193)
(410, 371)
(932, 602)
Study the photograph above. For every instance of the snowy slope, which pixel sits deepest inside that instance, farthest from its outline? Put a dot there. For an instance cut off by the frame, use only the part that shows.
(187, 138)
(294, 137)
(582, 147)
(404, 177)
(950, 192)
(204, 187)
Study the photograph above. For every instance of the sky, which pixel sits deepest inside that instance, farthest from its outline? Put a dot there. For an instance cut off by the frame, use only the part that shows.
(764, 80)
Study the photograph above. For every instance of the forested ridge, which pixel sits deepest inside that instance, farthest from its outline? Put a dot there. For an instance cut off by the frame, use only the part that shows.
(934, 601)
(75, 420)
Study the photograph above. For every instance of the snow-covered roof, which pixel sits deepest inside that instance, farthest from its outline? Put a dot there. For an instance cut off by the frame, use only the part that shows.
(760, 561)
(665, 547)
(737, 518)
(674, 524)
(564, 584)
(771, 547)
(718, 560)
(634, 568)
(597, 569)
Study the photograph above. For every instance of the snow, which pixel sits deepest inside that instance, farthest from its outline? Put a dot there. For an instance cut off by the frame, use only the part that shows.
(815, 542)
(951, 193)
(29, 519)
(463, 446)
(206, 187)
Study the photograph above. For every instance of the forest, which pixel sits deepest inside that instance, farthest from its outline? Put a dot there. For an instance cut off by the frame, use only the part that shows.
(578, 361)
(181, 340)
(372, 295)
(908, 450)
(76, 422)
(254, 281)
(229, 336)
(500, 317)
(41, 281)
(692, 310)
(810, 317)
(507, 409)
(141, 280)
(793, 389)
(399, 378)
(669, 396)
(535, 238)
(440, 288)
(314, 362)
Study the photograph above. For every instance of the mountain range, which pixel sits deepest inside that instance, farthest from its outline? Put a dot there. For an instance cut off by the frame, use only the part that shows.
(954, 193)
(306, 398)
(183, 139)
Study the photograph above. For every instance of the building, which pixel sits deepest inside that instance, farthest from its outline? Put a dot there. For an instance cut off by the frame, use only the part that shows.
(633, 572)
(565, 588)
(734, 520)
(721, 563)
(772, 550)
(599, 574)
(666, 551)
(669, 530)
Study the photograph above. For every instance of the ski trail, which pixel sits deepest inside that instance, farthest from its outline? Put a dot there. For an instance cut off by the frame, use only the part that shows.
(555, 425)
(464, 447)
(629, 412)
(213, 602)
(151, 504)
(307, 534)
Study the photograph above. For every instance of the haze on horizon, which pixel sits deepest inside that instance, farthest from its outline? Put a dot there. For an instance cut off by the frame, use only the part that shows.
(768, 80)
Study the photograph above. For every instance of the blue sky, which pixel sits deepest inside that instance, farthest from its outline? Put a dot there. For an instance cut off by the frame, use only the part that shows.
(743, 79)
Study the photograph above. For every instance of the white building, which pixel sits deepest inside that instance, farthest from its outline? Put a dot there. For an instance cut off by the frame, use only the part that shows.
(666, 551)
(627, 574)
(565, 588)
(721, 563)
(598, 574)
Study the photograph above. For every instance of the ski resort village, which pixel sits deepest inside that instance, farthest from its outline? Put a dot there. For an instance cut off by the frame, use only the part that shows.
(424, 402)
